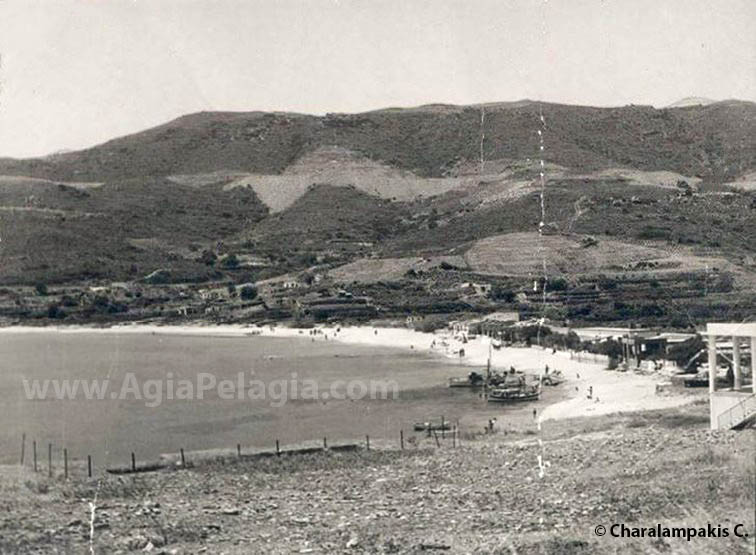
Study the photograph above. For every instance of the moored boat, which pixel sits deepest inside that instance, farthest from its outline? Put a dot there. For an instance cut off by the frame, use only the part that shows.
(514, 394)
(554, 378)
(472, 380)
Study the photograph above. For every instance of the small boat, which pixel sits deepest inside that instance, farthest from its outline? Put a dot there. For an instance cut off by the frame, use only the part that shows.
(554, 378)
(472, 380)
(514, 394)
(432, 427)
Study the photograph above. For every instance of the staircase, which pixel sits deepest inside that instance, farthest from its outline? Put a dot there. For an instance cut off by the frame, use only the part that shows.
(738, 416)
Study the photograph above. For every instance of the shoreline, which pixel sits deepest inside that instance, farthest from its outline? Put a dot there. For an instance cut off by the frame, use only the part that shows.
(612, 391)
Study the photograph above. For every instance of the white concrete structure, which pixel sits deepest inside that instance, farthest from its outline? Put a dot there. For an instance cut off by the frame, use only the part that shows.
(735, 406)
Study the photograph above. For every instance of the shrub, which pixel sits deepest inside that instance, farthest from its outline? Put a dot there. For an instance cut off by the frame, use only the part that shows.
(41, 289)
(230, 261)
(558, 284)
(248, 292)
(55, 312)
(499, 293)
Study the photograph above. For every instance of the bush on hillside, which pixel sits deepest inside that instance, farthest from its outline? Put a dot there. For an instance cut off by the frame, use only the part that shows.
(55, 312)
(248, 293)
(230, 262)
(502, 294)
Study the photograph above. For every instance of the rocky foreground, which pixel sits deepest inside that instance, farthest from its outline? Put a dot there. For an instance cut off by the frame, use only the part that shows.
(485, 496)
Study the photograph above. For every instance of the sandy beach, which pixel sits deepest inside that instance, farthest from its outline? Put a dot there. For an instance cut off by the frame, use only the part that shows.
(611, 391)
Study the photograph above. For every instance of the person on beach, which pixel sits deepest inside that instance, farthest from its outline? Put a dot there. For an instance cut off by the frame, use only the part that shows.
(535, 414)
(590, 392)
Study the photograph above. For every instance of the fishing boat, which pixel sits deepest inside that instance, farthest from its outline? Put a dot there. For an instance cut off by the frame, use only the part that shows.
(530, 392)
(472, 380)
(512, 386)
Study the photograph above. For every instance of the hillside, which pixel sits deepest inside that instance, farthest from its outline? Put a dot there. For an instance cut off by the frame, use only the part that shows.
(716, 141)
(635, 194)
(53, 232)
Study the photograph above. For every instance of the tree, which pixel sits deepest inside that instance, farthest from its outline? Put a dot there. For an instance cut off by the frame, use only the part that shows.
(573, 341)
(499, 293)
(55, 312)
(230, 261)
(682, 353)
(248, 292)
(557, 284)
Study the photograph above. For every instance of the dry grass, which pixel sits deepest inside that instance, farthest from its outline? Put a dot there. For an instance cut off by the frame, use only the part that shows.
(521, 254)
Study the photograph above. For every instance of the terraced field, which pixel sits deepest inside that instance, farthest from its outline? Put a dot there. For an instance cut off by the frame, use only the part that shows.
(522, 254)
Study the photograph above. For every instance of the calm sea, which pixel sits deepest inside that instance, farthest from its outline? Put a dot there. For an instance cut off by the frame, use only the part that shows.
(110, 429)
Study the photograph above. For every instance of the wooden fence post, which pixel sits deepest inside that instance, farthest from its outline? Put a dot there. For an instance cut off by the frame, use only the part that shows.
(23, 447)
(183, 459)
(49, 460)
(133, 462)
(34, 448)
(325, 443)
(238, 450)
(401, 439)
(89, 466)
(278, 449)
(367, 442)
(65, 463)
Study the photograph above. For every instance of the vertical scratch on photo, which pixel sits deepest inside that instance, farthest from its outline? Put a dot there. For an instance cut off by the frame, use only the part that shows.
(541, 228)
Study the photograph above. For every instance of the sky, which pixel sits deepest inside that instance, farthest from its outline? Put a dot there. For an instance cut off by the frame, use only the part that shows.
(74, 73)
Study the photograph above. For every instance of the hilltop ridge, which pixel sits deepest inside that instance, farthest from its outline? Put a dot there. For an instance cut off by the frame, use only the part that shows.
(715, 141)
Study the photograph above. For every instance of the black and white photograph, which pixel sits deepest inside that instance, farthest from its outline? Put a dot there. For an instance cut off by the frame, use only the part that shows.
(405, 277)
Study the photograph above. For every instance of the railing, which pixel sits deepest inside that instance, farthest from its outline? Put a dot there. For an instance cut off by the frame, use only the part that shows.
(737, 414)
